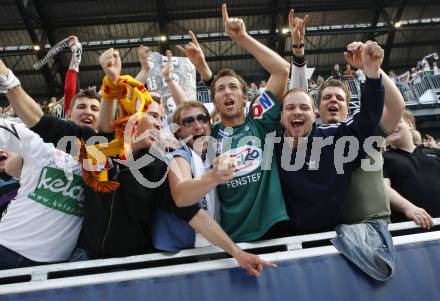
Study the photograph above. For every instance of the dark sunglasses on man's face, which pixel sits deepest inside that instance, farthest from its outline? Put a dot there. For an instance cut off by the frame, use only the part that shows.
(189, 120)
(156, 98)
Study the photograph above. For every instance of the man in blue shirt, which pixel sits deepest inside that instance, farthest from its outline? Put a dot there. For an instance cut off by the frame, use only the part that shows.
(315, 162)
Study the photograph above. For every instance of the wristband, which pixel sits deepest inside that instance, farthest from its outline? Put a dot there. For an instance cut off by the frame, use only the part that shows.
(298, 46)
(168, 79)
(8, 82)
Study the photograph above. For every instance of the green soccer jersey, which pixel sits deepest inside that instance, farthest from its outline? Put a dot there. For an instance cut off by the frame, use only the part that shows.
(252, 202)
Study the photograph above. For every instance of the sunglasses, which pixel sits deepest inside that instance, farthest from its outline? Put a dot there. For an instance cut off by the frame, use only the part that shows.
(189, 120)
(157, 99)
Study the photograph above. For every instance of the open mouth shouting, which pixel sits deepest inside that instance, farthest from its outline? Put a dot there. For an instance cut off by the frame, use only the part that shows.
(229, 103)
(333, 109)
(87, 121)
(297, 123)
(298, 127)
(3, 157)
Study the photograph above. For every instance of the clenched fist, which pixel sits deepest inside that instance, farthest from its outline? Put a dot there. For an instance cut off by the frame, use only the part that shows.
(110, 62)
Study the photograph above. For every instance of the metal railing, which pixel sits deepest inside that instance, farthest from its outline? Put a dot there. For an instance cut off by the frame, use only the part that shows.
(412, 91)
(305, 244)
(203, 94)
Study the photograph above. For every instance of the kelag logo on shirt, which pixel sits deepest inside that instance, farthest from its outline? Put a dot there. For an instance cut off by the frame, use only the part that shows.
(247, 159)
(55, 191)
(261, 106)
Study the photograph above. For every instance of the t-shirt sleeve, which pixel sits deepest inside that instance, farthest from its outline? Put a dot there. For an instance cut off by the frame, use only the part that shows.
(167, 203)
(181, 152)
(162, 196)
(265, 112)
(298, 77)
(52, 130)
(20, 140)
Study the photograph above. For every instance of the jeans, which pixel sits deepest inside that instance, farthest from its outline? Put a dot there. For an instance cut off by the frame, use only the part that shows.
(12, 260)
(78, 255)
(369, 246)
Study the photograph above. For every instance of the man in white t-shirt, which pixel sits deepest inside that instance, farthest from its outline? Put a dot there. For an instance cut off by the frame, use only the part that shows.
(42, 224)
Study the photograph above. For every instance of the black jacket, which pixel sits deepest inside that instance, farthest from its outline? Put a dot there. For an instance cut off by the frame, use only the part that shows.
(118, 223)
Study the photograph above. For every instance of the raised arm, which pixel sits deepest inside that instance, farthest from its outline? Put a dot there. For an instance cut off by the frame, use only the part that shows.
(394, 103)
(268, 59)
(175, 89)
(143, 54)
(364, 122)
(194, 53)
(72, 73)
(297, 27)
(110, 62)
(27, 109)
(205, 225)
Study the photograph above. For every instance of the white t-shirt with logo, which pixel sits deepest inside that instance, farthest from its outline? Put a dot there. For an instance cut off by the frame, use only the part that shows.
(43, 222)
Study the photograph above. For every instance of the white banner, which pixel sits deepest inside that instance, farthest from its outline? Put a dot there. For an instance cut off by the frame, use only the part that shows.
(183, 72)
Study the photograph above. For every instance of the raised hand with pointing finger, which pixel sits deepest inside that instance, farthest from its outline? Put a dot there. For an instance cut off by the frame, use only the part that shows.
(234, 27)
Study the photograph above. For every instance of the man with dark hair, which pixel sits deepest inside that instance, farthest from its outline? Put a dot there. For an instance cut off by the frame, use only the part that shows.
(118, 223)
(337, 84)
(84, 108)
(252, 206)
(122, 222)
(83, 118)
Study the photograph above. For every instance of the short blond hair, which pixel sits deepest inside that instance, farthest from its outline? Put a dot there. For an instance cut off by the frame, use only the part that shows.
(416, 136)
(409, 118)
